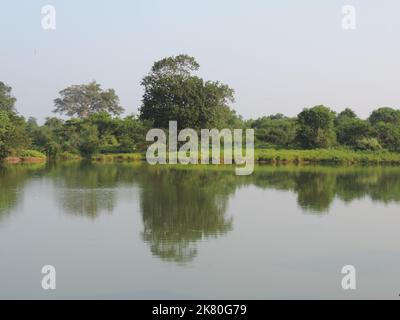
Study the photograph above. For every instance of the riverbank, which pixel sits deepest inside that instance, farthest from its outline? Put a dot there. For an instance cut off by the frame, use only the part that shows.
(26, 156)
(261, 156)
(273, 156)
(326, 156)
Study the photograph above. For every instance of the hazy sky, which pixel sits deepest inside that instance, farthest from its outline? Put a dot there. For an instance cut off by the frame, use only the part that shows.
(279, 56)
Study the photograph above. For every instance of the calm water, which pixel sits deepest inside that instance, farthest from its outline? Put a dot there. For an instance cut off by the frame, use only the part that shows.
(135, 231)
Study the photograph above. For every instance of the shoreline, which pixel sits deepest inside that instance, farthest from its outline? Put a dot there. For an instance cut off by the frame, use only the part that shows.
(289, 156)
(261, 156)
(18, 160)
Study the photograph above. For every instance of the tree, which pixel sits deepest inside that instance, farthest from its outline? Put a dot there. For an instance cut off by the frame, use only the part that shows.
(89, 142)
(388, 135)
(345, 115)
(386, 123)
(131, 133)
(7, 101)
(351, 130)
(85, 99)
(13, 135)
(5, 127)
(386, 115)
(47, 138)
(13, 128)
(316, 127)
(275, 129)
(172, 92)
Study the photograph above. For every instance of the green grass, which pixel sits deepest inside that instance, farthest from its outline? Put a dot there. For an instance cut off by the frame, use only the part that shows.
(331, 156)
(31, 154)
(119, 157)
(68, 156)
(273, 156)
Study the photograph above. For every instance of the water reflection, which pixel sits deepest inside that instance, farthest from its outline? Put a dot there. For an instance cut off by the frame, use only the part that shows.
(317, 187)
(12, 181)
(181, 206)
(86, 189)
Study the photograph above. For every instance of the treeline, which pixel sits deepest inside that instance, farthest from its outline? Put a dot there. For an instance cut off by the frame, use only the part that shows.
(173, 91)
(320, 127)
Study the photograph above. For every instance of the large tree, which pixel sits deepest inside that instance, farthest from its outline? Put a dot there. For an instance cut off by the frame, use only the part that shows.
(13, 133)
(351, 130)
(386, 115)
(7, 101)
(86, 99)
(316, 127)
(386, 123)
(173, 92)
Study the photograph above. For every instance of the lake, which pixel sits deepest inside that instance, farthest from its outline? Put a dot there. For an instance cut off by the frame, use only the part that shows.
(135, 231)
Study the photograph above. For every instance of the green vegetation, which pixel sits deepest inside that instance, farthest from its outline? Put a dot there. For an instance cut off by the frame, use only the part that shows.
(315, 128)
(119, 157)
(32, 154)
(329, 156)
(86, 99)
(172, 91)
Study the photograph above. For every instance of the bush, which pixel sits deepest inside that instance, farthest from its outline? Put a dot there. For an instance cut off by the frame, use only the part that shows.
(68, 156)
(115, 149)
(371, 144)
(31, 154)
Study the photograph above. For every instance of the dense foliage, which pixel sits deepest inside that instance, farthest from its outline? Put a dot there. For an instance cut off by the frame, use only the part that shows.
(86, 99)
(173, 92)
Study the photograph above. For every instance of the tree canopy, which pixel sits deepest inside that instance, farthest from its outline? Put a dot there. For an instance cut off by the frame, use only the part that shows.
(316, 127)
(7, 101)
(85, 99)
(173, 92)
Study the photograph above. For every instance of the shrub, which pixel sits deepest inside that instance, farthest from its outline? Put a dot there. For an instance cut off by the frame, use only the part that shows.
(371, 144)
(68, 156)
(31, 154)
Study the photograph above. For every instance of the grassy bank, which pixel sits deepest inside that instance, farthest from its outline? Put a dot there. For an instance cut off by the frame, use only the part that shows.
(272, 156)
(267, 156)
(119, 157)
(26, 156)
(328, 156)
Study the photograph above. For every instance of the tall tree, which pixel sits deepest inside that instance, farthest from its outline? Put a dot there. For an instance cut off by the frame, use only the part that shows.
(386, 115)
(316, 127)
(386, 123)
(7, 101)
(345, 115)
(351, 130)
(13, 134)
(172, 92)
(86, 99)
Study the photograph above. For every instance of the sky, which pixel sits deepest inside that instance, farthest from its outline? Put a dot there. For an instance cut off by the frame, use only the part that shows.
(279, 56)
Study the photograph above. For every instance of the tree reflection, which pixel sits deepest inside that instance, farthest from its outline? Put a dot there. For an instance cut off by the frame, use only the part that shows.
(181, 207)
(12, 181)
(317, 187)
(87, 189)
